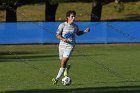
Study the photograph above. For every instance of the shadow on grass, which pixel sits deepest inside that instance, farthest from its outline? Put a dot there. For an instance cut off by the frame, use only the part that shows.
(19, 53)
(20, 56)
(124, 89)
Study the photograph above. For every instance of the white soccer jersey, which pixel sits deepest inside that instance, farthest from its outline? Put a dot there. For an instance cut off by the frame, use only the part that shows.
(68, 31)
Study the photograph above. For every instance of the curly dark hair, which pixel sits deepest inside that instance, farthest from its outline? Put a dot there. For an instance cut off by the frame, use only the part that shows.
(70, 12)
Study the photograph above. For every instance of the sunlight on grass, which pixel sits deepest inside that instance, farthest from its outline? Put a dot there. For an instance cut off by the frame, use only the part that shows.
(36, 12)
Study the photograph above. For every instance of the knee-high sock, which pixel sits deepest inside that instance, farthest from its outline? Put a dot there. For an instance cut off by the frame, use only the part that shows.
(66, 72)
(61, 70)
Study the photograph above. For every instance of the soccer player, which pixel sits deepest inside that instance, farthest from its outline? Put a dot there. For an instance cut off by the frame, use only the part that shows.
(66, 34)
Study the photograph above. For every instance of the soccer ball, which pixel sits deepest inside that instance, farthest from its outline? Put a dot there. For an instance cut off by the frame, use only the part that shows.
(66, 80)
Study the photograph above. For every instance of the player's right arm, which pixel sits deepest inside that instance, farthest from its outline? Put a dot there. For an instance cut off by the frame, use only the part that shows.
(61, 38)
(59, 33)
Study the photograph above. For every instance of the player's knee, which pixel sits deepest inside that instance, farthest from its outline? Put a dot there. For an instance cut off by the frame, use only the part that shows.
(64, 62)
(63, 65)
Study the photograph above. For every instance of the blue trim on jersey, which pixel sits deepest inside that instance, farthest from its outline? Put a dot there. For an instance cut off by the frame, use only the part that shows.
(68, 35)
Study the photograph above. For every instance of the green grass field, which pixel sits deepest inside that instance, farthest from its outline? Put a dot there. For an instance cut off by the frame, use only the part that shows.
(95, 69)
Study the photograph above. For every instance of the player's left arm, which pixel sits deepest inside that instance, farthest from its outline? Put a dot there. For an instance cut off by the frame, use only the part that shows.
(78, 32)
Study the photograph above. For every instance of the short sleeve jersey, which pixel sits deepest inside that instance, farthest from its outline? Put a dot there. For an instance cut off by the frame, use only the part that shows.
(67, 31)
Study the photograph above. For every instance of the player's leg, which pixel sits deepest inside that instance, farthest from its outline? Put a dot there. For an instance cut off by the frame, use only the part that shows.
(64, 55)
(62, 64)
(64, 61)
(67, 53)
(66, 72)
(61, 70)
(61, 50)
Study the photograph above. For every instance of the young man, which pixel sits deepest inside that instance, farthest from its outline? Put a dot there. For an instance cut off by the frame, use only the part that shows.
(66, 34)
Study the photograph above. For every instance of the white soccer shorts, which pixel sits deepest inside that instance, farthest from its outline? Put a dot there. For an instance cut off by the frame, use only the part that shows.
(65, 51)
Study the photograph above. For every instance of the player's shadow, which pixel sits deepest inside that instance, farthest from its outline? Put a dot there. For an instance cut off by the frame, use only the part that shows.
(123, 89)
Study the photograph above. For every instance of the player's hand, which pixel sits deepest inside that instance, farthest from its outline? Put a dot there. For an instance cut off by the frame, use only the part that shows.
(65, 40)
(87, 30)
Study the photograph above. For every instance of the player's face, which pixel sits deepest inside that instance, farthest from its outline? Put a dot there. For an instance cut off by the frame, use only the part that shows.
(71, 18)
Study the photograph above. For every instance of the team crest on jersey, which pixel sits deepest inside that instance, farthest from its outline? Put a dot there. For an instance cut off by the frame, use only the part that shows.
(68, 35)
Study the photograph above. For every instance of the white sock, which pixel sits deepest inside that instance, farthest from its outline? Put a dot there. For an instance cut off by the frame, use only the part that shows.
(61, 70)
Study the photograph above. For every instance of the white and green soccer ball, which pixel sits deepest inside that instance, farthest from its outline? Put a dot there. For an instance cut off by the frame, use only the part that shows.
(66, 80)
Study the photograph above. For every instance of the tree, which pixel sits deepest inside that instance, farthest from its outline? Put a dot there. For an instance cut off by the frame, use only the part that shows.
(50, 10)
(51, 7)
(11, 8)
(96, 10)
(12, 5)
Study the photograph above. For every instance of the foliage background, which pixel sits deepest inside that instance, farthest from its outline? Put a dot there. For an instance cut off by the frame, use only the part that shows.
(36, 12)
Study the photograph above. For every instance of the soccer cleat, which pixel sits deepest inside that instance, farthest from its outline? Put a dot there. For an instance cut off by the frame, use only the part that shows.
(54, 81)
